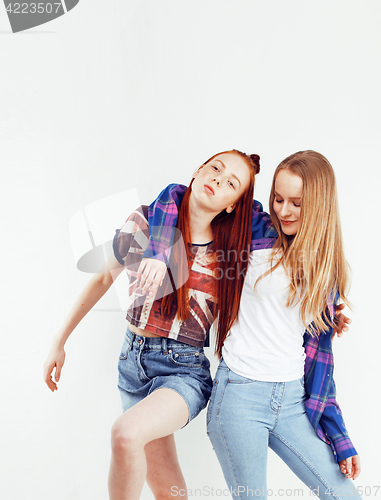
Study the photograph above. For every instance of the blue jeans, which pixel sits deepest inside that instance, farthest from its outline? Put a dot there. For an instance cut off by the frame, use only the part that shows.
(150, 363)
(246, 416)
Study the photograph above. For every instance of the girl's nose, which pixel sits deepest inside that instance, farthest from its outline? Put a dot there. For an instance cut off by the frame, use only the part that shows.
(285, 210)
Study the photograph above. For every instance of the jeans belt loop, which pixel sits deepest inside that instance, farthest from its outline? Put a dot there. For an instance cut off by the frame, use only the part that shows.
(164, 344)
(132, 342)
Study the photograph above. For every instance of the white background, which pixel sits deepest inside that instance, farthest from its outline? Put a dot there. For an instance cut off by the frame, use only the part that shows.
(137, 94)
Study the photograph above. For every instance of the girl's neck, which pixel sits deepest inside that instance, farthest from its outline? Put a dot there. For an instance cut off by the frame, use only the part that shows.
(200, 224)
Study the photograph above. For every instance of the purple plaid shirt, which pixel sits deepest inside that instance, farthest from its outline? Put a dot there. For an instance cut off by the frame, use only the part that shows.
(321, 406)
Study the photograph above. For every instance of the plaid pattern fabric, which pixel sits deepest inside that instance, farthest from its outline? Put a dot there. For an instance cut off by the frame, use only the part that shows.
(162, 217)
(143, 311)
(321, 406)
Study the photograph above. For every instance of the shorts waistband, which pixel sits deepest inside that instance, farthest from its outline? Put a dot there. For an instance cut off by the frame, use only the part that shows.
(159, 343)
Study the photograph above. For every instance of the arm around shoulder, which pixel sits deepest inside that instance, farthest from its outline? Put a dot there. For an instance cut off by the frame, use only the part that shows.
(162, 218)
(321, 406)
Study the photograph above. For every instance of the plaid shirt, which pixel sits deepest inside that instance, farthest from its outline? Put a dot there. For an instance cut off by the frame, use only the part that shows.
(321, 406)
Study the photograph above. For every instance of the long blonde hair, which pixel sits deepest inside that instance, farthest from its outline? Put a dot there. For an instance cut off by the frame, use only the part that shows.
(314, 257)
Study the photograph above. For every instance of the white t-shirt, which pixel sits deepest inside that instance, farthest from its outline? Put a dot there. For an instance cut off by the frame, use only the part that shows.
(266, 342)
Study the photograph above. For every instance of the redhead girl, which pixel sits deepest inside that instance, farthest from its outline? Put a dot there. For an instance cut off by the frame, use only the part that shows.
(164, 376)
(274, 385)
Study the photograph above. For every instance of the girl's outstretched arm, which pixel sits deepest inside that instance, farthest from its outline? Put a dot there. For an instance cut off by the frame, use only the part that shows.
(93, 291)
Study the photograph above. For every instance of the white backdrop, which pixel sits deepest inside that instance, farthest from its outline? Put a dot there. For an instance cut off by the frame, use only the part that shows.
(137, 94)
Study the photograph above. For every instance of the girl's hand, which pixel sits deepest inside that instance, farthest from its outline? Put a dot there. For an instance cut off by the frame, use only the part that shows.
(351, 467)
(341, 322)
(55, 360)
(151, 273)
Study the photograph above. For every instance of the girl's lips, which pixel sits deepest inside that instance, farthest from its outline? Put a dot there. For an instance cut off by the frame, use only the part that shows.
(287, 222)
(208, 189)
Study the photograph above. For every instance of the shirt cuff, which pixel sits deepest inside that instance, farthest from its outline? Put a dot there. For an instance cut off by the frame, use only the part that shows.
(343, 447)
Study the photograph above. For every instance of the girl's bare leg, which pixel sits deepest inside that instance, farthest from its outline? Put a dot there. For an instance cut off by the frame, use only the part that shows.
(164, 475)
(160, 414)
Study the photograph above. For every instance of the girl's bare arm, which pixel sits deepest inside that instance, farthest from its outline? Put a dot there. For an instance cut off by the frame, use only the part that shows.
(93, 291)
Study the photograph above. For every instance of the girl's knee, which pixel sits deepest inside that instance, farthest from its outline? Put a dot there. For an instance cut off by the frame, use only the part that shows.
(125, 438)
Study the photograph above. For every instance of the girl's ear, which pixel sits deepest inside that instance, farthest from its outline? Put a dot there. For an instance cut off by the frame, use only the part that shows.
(230, 208)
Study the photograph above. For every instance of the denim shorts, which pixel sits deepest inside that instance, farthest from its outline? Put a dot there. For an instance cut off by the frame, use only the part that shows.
(150, 363)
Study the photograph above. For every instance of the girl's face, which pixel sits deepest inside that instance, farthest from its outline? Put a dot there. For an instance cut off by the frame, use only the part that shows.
(288, 194)
(220, 183)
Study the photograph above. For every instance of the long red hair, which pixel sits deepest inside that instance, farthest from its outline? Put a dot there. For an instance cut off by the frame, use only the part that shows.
(231, 236)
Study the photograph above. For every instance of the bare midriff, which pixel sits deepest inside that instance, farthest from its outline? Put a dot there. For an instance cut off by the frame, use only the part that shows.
(143, 333)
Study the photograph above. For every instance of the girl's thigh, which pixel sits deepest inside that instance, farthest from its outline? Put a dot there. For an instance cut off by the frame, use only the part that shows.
(158, 415)
(238, 428)
(311, 459)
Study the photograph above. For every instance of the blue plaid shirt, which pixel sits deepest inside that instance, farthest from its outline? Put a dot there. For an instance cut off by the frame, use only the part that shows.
(321, 406)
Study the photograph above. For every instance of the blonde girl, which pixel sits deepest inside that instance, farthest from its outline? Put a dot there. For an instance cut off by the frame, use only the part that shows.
(274, 386)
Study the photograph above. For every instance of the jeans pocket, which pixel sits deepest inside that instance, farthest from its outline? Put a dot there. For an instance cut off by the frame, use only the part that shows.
(234, 378)
(186, 357)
